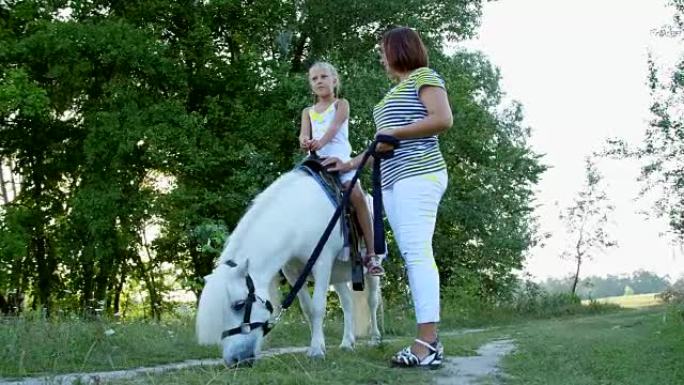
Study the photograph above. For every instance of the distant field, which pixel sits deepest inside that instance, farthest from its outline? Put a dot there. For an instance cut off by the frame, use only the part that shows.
(631, 301)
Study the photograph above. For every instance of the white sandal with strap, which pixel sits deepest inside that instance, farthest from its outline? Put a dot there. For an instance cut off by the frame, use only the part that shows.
(433, 360)
(374, 265)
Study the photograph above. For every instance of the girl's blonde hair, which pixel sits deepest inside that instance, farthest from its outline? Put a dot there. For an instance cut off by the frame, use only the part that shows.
(333, 72)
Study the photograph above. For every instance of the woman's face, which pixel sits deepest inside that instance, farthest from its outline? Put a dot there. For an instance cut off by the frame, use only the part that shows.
(322, 82)
(383, 60)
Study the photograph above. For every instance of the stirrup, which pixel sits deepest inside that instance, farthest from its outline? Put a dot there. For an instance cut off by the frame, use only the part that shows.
(373, 264)
(405, 358)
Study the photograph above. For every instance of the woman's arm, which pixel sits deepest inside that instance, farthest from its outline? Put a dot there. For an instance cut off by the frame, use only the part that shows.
(438, 119)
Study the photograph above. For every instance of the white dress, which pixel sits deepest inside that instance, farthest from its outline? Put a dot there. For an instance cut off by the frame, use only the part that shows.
(339, 145)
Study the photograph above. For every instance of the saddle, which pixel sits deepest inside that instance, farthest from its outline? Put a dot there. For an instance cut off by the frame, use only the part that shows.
(351, 229)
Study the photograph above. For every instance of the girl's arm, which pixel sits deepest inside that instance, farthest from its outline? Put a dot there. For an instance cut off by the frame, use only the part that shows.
(438, 119)
(341, 115)
(305, 130)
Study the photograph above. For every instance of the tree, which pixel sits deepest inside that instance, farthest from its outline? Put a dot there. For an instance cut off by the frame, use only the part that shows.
(662, 150)
(586, 220)
(103, 102)
(486, 223)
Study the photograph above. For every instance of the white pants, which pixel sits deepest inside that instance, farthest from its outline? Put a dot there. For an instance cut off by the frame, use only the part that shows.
(411, 207)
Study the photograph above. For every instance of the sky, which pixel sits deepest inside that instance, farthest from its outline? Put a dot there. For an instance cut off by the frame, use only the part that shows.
(579, 67)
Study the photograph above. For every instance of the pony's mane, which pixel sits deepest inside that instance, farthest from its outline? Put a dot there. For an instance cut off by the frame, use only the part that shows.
(260, 205)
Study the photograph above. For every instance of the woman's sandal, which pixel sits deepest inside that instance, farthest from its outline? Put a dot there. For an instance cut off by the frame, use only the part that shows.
(433, 360)
(374, 265)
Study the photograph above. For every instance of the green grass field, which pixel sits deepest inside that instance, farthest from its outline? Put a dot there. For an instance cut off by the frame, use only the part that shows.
(623, 347)
(635, 347)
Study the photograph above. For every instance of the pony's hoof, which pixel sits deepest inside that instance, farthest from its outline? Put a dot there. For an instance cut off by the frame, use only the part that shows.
(316, 353)
(375, 341)
(348, 346)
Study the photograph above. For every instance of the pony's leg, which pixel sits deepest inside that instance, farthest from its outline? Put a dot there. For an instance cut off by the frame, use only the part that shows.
(274, 293)
(321, 273)
(346, 300)
(373, 288)
(305, 302)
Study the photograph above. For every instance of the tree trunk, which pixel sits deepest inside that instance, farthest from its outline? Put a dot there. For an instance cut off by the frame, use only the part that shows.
(298, 54)
(577, 272)
(3, 187)
(105, 263)
(13, 183)
(148, 277)
(119, 289)
(39, 243)
(44, 273)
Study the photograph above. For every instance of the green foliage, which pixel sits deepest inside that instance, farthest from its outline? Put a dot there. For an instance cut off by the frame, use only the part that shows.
(142, 130)
(532, 300)
(586, 221)
(641, 282)
(662, 150)
(628, 291)
(674, 294)
(14, 241)
(485, 223)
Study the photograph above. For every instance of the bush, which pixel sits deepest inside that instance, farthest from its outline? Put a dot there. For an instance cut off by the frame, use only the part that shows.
(531, 299)
(672, 295)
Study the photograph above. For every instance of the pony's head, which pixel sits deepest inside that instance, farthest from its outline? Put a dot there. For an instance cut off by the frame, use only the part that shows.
(232, 315)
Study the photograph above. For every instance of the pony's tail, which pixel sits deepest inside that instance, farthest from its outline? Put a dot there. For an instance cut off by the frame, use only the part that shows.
(361, 314)
(212, 304)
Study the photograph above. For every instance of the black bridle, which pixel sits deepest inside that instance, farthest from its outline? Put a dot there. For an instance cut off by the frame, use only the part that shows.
(246, 326)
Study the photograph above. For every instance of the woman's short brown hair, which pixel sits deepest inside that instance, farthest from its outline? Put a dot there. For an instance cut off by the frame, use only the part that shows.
(404, 50)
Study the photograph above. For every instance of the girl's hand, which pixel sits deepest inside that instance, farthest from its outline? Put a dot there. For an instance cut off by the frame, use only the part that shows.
(315, 145)
(303, 143)
(335, 164)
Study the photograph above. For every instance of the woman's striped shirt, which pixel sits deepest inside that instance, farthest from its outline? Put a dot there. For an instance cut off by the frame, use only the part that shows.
(402, 106)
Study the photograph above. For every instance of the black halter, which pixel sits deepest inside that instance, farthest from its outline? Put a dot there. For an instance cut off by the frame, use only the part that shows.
(246, 304)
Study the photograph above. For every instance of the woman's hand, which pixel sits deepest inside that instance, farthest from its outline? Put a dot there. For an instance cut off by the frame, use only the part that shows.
(384, 147)
(335, 164)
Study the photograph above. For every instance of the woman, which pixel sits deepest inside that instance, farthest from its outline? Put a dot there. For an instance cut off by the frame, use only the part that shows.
(415, 111)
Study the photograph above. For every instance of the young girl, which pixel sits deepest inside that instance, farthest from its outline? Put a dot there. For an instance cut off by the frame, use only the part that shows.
(325, 130)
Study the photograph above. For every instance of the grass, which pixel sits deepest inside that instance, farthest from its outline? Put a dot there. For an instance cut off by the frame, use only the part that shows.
(41, 347)
(639, 347)
(365, 365)
(576, 346)
(631, 301)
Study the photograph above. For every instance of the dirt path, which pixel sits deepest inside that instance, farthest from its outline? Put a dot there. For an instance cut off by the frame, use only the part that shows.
(456, 371)
(470, 370)
(94, 378)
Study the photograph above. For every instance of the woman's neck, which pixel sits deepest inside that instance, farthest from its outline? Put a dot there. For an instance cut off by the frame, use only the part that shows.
(403, 75)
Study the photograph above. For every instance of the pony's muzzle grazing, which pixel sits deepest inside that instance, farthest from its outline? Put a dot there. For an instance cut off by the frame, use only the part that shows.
(241, 363)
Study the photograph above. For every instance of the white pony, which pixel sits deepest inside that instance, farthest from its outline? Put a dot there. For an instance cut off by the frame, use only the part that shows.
(279, 231)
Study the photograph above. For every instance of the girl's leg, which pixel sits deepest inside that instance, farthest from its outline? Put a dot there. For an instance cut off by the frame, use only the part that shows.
(358, 199)
(411, 207)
